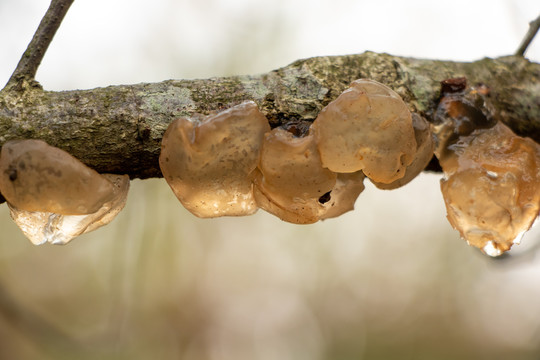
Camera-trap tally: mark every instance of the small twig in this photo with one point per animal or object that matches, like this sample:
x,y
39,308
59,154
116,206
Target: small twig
x,y
31,59
533,29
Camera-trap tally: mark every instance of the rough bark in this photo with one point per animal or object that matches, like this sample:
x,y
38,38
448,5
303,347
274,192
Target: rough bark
x,y
118,129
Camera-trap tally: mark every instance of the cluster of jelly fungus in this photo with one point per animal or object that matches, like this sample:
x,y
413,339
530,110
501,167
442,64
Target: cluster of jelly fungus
x,y
210,166
53,197
293,185
369,128
492,178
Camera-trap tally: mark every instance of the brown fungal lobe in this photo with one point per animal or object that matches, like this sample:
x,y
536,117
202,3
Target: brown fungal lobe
x,y
424,152
292,183
35,176
41,226
491,187
210,165
291,178
369,128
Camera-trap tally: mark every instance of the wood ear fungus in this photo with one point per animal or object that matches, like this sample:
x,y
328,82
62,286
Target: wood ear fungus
x,y
210,165
422,156
293,185
58,229
369,128
492,187
35,176
52,196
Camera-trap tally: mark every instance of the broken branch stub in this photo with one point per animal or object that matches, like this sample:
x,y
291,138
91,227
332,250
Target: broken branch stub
x,y
210,165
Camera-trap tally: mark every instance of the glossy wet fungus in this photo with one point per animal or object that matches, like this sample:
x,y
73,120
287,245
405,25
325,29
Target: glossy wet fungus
x,y
491,187
293,185
210,165
37,177
424,152
52,196
369,128
41,227
230,163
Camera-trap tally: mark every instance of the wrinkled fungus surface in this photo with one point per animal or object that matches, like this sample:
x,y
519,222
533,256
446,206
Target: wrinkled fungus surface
x,y
43,226
424,153
293,185
369,128
491,187
292,178
210,165
35,176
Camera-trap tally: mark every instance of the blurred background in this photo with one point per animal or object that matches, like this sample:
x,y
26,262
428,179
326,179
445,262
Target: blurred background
x,y
390,280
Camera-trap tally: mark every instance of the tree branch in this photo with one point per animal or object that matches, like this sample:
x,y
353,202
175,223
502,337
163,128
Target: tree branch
x,y
31,59
531,33
118,129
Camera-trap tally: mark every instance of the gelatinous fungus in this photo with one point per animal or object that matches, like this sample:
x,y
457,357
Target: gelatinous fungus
x,y
43,226
369,128
293,185
459,113
491,187
424,152
210,165
291,177
35,176
343,196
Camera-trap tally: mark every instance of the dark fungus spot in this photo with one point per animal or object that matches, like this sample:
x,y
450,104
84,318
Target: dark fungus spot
x,y
298,128
12,172
453,85
325,198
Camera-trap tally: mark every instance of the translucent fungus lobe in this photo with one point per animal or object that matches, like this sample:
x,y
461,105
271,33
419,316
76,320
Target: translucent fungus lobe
x,y
54,197
37,177
210,166
369,128
423,154
492,187
42,226
293,185
292,177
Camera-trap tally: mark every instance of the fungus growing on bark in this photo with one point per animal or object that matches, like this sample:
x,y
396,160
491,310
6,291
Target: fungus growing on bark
x,y
54,197
210,165
369,128
424,152
492,176
491,187
293,185
35,176
58,229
